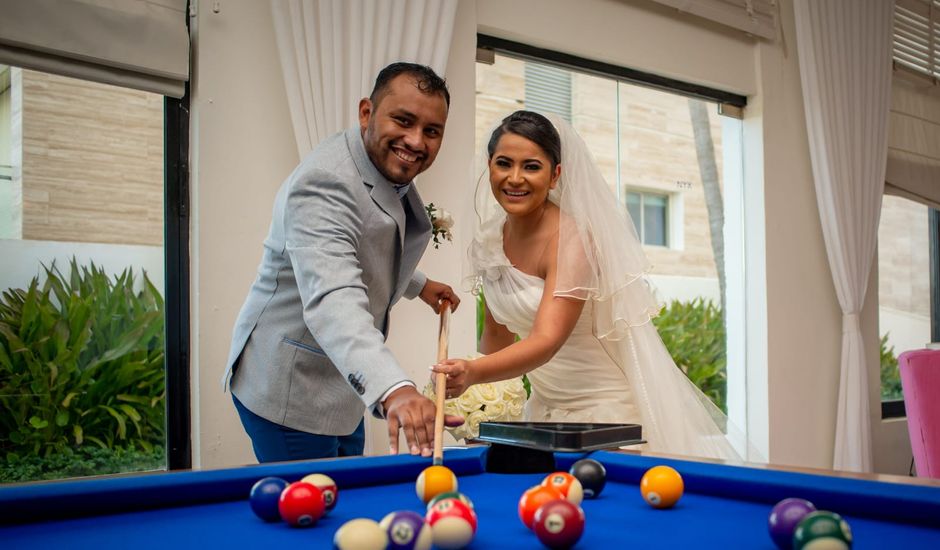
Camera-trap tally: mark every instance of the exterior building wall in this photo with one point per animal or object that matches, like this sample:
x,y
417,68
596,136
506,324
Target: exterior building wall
x,y
657,154
656,143
903,257
92,162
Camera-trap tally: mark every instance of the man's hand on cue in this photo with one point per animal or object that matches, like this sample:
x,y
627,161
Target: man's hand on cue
x,y
409,411
434,293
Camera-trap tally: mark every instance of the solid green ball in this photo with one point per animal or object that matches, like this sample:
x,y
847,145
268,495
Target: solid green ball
x,y
822,530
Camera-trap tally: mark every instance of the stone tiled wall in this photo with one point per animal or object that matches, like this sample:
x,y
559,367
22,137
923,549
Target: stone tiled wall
x,y
657,150
92,161
903,257
657,153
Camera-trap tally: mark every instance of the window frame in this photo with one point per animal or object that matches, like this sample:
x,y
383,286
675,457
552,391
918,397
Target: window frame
x,y
731,107
894,408
177,284
641,225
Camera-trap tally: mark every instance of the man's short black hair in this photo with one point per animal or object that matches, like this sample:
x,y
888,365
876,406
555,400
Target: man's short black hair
x,y
425,77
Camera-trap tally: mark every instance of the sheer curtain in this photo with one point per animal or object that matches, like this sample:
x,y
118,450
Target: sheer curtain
x,y
844,48
331,51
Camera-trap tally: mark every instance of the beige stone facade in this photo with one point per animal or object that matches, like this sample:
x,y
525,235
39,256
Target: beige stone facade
x,y
92,160
657,149
657,153
903,257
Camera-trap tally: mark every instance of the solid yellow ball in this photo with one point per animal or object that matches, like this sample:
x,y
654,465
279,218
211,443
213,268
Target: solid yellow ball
x,y
661,486
433,481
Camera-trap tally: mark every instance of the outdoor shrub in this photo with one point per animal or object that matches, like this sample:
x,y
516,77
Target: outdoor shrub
x,y
694,334
81,363
81,462
890,375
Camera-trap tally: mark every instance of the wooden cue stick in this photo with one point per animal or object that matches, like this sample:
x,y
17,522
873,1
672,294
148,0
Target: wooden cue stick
x,y
440,384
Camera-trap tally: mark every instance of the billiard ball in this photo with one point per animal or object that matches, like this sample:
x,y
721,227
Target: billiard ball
x,y
559,523
407,530
532,499
264,497
591,474
433,481
452,522
453,494
360,534
327,486
784,518
661,486
301,504
567,485
822,529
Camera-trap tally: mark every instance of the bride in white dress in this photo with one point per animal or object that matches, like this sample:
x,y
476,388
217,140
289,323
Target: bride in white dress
x,y
561,267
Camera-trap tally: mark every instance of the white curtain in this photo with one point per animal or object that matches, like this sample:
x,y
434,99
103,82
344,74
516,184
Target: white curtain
x,y
844,47
332,50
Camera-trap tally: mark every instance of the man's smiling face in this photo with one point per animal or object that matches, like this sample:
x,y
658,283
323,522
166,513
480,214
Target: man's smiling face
x,y
402,131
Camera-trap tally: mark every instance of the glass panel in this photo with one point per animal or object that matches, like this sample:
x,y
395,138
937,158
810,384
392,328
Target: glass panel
x,y
654,219
903,286
81,357
671,151
634,201
663,156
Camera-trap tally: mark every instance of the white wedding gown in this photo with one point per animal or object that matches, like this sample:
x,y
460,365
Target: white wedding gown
x,y
588,380
582,382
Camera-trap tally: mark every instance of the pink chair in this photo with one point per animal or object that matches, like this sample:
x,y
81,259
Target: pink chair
x,y
920,380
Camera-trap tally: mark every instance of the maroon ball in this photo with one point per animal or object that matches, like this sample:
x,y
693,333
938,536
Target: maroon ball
x,y
559,523
784,518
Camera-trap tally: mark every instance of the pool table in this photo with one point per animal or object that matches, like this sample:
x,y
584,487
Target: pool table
x,y
724,506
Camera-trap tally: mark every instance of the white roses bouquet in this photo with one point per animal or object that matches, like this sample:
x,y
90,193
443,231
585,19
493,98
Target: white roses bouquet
x,y
441,224
491,402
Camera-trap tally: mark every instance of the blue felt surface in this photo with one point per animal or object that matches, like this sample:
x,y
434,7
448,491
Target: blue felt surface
x,y
619,518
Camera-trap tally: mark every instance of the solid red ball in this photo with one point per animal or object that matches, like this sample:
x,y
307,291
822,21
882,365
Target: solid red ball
x,y
532,499
301,504
559,523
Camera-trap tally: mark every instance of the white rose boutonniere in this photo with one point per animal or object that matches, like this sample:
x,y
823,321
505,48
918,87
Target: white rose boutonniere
x,y
441,224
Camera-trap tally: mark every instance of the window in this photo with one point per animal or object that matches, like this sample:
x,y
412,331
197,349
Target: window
x,y
675,166
8,199
83,211
903,286
548,89
650,214
916,26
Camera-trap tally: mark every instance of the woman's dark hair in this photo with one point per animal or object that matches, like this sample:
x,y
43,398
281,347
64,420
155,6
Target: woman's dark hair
x,y
532,126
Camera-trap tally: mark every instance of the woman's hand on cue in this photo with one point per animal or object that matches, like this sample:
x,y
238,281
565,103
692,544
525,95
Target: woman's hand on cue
x,y
458,376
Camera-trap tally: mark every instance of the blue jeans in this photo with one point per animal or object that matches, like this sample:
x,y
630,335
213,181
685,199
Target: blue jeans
x,y
275,443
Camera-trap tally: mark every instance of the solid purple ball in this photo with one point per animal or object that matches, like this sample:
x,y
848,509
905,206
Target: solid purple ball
x,y
264,498
784,518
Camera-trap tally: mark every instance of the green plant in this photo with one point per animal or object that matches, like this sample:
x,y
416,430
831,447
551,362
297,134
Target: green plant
x,y
81,363
890,375
694,334
81,462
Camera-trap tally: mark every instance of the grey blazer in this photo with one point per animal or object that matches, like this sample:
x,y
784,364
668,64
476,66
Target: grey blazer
x,y
308,348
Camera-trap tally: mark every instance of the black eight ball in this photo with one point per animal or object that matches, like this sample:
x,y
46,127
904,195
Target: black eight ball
x,y
591,474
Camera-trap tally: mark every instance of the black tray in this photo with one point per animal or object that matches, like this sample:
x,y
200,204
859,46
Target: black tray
x,y
561,437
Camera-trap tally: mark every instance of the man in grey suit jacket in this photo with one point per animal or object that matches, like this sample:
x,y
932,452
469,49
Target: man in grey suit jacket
x,y
308,353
